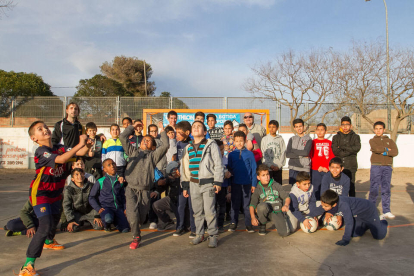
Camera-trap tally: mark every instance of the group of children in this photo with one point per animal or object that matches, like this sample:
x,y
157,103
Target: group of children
x,y
130,178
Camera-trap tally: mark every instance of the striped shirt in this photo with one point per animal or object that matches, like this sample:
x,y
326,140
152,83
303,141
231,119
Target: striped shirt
x,y
112,148
195,151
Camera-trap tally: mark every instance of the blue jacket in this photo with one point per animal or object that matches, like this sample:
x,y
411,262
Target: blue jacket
x,y
105,194
242,166
340,186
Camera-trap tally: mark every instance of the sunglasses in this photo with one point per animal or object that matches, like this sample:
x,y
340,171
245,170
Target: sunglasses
x,y
248,117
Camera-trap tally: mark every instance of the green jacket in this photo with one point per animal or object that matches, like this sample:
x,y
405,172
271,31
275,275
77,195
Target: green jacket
x,y
27,215
273,194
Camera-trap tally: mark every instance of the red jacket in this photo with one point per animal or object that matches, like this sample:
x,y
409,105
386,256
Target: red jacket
x,y
321,153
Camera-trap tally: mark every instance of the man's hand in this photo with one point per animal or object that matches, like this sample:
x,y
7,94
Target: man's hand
x,y
70,226
253,188
30,232
101,210
162,182
342,243
82,139
218,188
98,221
153,194
185,194
255,222
285,208
328,217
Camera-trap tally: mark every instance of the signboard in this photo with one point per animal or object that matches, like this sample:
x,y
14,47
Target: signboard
x,y
221,118
12,154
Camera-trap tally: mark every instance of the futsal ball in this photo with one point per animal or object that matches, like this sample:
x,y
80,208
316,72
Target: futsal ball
x,y
313,223
333,224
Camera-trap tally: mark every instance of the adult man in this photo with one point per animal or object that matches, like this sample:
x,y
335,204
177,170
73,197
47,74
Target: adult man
x,y
258,131
346,144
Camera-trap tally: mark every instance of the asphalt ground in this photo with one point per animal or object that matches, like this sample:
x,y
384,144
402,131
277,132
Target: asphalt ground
x,y
240,253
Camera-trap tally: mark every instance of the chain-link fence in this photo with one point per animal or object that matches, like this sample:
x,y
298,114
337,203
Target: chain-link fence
x,y
21,112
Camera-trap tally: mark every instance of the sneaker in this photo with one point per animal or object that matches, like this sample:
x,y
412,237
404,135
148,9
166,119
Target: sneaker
x,y
153,226
382,217
178,232
249,229
221,229
232,227
213,240
167,226
197,240
135,243
10,233
28,271
389,215
54,246
262,230
107,229
192,235
126,230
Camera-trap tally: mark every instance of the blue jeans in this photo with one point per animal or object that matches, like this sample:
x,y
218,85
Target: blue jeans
x,y
240,196
316,182
381,177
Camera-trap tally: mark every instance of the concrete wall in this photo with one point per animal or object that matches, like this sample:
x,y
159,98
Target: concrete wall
x,y
16,149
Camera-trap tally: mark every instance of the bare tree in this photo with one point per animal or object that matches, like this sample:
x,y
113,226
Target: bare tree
x,y
6,5
301,82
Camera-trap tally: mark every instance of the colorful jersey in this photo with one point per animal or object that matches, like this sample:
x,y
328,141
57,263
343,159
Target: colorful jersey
x,y
321,153
47,186
112,148
228,142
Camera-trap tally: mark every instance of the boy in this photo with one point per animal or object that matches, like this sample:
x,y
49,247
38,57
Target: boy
x,y
45,192
140,177
227,138
26,224
359,215
320,155
201,117
298,149
185,217
127,121
273,149
202,172
303,202
76,205
112,148
153,130
251,143
172,151
79,164
221,197
345,145
335,180
243,168
214,132
383,152
107,197
270,202
93,160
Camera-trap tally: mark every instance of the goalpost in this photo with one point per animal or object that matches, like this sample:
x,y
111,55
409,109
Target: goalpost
x,y
154,116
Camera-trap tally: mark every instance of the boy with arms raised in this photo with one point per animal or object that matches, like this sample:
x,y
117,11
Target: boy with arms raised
x,y
242,166
46,189
359,215
140,177
335,179
298,150
202,171
273,148
383,152
320,155
270,202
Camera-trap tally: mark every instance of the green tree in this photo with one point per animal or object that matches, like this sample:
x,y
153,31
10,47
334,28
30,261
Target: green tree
x,y
129,71
176,103
101,86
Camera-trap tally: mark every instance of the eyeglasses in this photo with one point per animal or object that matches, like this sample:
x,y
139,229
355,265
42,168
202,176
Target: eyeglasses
x,y
248,117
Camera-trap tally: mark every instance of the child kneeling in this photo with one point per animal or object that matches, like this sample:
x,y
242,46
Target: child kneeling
x,y
270,202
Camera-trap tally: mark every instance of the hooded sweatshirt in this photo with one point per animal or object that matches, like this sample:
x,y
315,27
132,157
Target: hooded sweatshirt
x,y
340,185
303,203
242,166
77,199
140,168
298,150
346,146
273,149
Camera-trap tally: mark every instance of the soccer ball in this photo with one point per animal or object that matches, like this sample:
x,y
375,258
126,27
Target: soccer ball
x,y
333,225
314,225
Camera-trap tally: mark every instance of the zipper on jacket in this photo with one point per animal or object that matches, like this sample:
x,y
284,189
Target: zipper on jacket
x,y
113,184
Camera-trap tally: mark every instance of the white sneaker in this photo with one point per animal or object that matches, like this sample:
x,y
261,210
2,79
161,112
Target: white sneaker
x,y
153,226
389,215
382,217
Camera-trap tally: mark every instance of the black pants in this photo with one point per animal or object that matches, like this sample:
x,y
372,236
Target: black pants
x,y
46,230
221,204
152,216
16,225
162,207
277,176
351,175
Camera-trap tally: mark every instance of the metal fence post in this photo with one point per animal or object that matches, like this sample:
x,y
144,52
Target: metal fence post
x,y
12,113
171,103
225,103
64,107
118,109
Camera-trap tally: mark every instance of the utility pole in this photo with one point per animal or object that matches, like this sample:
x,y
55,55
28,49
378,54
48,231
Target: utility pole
x,y
145,79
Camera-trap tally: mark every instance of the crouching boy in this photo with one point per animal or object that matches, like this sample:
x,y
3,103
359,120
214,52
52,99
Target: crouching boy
x,y
76,205
270,202
359,215
107,197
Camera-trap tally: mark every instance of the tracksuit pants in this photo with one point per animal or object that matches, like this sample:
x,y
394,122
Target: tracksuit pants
x,y
265,213
137,207
16,225
221,203
371,221
381,177
203,201
162,207
317,182
240,196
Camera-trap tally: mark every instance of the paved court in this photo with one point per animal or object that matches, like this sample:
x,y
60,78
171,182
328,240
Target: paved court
x,y
239,253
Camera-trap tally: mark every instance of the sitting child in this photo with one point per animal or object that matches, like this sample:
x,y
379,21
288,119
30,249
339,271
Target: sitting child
x,y
303,202
81,165
359,215
336,180
76,205
107,197
270,202
26,224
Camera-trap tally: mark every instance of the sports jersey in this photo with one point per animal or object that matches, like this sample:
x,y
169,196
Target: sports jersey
x,y
321,153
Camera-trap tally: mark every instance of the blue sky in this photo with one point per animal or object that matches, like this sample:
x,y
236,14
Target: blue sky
x,y
196,48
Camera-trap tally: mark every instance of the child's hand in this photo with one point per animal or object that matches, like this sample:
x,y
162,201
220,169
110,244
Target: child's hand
x,y
342,243
121,179
90,142
339,218
185,194
325,170
255,222
138,125
320,169
285,208
82,139
229,189
30,232
307,224
160,126
102,138
101,210
227,174
328,217
70,226
228,197
162,182
253,188
218,188
153,194
274,168
98,221
176,173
